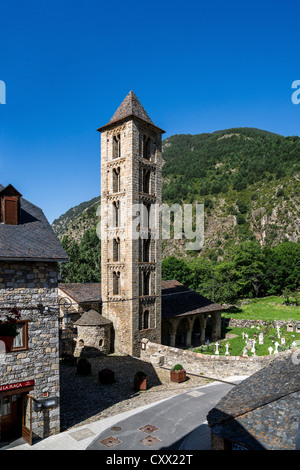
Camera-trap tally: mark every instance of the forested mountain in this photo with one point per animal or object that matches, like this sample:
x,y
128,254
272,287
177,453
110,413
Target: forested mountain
x,y
247,179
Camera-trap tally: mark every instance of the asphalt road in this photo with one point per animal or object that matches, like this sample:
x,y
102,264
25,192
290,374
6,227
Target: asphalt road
x,y
176,423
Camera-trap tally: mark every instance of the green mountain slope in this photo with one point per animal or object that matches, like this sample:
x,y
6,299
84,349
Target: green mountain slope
x,y
247,179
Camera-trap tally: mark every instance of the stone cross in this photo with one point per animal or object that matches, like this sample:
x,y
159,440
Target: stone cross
x,y
253,346
294,344
276,347
243,335
261,338
217,348
270,349
278,331
227,347
245,352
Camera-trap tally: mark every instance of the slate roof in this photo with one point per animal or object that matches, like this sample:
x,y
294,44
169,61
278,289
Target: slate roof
x,y
263,411
92,318
130,107
32,239
82,291
177,299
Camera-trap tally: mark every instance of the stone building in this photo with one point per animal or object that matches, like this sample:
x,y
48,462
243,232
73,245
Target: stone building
x,y
131,185
187,318
132,295
29,371
76,298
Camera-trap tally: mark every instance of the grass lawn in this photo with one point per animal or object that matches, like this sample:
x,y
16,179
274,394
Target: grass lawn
x,y
267,308
236,345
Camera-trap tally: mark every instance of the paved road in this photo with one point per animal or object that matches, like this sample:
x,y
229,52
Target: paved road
x,y
176,423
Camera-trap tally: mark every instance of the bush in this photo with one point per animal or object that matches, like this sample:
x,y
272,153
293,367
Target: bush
x,y
177,368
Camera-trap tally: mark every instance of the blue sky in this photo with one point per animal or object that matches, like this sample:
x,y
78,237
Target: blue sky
x,y
195,66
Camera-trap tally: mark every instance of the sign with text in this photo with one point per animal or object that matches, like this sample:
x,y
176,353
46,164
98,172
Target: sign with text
x,y
16,386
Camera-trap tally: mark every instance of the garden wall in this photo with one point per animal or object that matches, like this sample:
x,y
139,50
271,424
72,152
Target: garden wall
x,y
244,323
218,367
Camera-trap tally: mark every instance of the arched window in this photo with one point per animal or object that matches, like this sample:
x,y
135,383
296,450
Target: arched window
x,y
116,283
147,147
116,180
146,250
116,249
146,322
146,181
116,214
146,283
117,146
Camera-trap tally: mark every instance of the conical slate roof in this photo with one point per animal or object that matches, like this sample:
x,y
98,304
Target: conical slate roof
x,y
92,318
130,107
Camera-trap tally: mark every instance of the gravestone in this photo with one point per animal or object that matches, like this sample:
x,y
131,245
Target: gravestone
x,y
282,341
261,338
290,326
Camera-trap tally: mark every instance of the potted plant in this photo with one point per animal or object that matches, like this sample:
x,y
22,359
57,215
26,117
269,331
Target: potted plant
x,y
83,366
106,376
140,380
9,328
178,373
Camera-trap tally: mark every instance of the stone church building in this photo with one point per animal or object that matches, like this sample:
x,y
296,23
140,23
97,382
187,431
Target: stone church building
x,y
133,298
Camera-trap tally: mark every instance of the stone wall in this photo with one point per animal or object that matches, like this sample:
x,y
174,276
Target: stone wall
x,y
218,367
25,285
244,323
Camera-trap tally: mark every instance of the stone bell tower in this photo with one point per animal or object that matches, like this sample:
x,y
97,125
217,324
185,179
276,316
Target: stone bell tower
x,y
131,188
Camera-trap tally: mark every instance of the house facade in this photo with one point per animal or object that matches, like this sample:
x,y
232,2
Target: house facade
x,y
29,370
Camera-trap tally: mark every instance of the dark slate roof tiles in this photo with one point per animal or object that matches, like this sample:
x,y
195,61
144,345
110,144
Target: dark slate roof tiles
x,y
33,238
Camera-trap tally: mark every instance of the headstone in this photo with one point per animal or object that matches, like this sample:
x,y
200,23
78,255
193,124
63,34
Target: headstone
x,y
294,344
261,338
290,327
245,352
243,335
282,341
217,348
278,331
227,347
253,346
276,347
249,343
270,349
297,327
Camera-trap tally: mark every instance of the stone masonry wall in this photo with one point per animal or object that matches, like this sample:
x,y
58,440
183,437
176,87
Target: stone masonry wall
x,y
25,285
219,367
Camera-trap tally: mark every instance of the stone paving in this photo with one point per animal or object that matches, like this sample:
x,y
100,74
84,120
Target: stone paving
x,y
85,400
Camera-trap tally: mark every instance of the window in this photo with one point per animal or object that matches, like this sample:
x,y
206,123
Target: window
x,y
116,249
146,319
116,213
146,250
117,146
146,181
146,147
146,283
116,283
21,340
116,180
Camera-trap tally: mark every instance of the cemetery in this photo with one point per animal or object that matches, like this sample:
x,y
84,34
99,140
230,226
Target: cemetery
x,y
253,341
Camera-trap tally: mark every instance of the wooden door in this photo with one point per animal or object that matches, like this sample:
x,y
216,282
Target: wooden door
x,y
27,419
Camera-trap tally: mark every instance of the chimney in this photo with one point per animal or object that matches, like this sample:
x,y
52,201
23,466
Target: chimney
x,y
10,205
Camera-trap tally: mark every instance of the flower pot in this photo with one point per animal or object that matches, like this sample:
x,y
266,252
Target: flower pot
x,y
179,376
140,383
106,376
8,341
